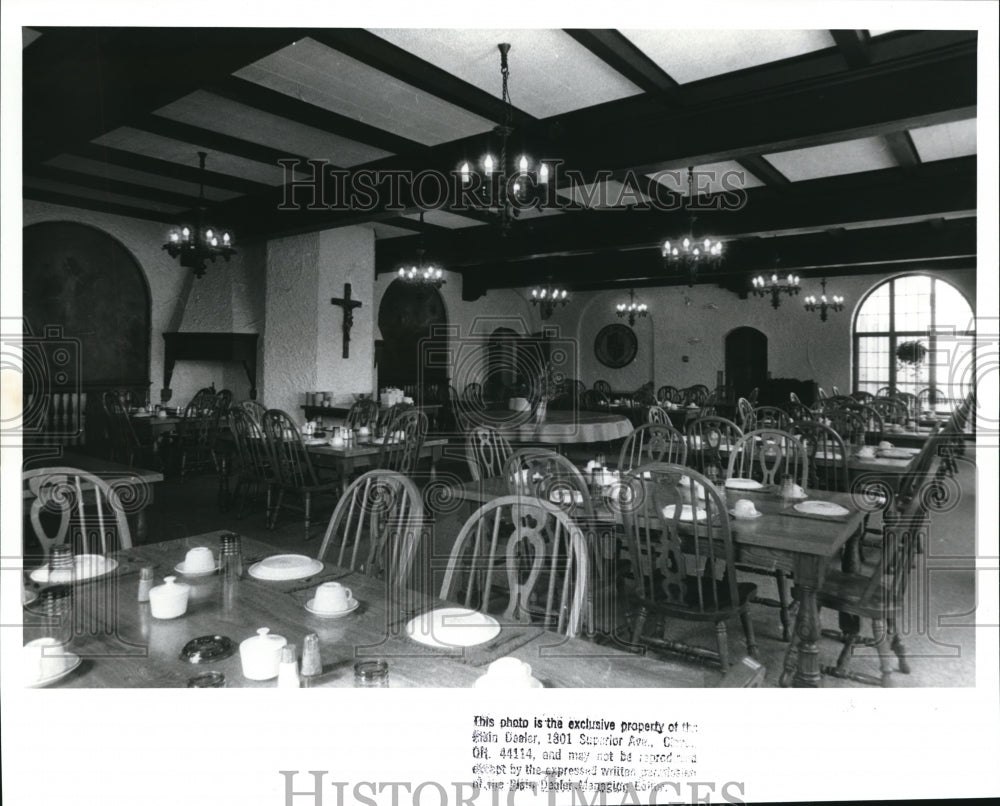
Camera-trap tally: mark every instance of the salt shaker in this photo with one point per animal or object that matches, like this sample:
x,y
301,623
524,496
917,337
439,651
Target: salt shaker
x,y
62,568
145,583
312,663
288,668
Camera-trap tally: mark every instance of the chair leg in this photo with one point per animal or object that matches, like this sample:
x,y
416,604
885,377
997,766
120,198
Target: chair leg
x,y
884,653
306,504
722,638
748,633
786,630
277,507
896,643
640,625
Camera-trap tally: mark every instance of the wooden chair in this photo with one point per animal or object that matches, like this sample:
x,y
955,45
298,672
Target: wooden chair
x,y
821,393
885,391
293,469
595,400
523,559
682,569
603,387
767,455
403,441
928,400
362,414
827,456
472,395
125,444
797,410
697,394
255,473
656,414
486,452
652,442
744,411
892,410
198,431
874,424
255,409
543,473
849,425
771,417
376,528
644,394
710,441
861,396
73,506
387,417
669,394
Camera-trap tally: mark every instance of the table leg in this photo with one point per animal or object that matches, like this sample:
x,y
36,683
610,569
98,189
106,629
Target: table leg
x,y
801,668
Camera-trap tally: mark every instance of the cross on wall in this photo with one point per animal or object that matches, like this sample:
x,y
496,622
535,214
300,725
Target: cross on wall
x,y
348,305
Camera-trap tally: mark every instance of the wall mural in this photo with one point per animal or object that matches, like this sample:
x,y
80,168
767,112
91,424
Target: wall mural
x,y
616,346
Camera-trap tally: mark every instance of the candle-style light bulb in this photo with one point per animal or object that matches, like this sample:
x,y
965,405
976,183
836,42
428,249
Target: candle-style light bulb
x,y
488,164
522,164
543,173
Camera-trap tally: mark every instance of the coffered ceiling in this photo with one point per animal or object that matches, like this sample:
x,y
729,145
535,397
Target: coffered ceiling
x,y
853,152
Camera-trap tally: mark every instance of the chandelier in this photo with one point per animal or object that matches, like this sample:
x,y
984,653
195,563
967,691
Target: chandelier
x,y
198,242
500,185
824,303
775,286
632,309
547,297
422,272
688,253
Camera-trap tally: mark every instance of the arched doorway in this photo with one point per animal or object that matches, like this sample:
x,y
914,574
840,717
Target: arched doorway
x,y
746,360
85,292
409,316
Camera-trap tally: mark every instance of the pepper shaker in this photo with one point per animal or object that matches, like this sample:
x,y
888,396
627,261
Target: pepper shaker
x,y
288,668
145,583
312,663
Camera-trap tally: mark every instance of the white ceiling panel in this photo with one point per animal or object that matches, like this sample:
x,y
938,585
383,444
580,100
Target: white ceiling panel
x,y
239,120
83,165
946,140
608,195
710,178
327,78
691,55
100,195
550,72
166,148
848,157
442,218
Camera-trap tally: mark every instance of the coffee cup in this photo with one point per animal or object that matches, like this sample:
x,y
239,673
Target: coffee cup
x,y
332,597
797,491
199,559
44,658
744,509
883,445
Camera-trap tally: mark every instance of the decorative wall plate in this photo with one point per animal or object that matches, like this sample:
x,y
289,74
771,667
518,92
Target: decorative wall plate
x,y
616,346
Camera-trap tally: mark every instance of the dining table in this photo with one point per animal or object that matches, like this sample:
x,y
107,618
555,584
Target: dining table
x,y
782,537
558,427
121,645
119,472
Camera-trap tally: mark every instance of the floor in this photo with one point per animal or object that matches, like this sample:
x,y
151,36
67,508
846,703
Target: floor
x,y
938,631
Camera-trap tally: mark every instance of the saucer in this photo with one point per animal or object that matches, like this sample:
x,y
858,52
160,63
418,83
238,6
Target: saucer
x,y
354,604
743,484
180,569
41,682
753,517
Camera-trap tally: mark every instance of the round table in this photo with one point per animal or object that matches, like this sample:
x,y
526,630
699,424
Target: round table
x,y
558,427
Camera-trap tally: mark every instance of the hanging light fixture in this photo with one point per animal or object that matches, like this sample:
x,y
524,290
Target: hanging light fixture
x,y
824,303
632,309
195,243
547,297
774,286
503,184
422,272
689,253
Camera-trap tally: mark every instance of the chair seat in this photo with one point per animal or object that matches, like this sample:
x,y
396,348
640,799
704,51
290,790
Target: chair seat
x,y
690,608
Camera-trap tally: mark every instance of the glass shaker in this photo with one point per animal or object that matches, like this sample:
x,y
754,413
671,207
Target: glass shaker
x,y
371,674
62,568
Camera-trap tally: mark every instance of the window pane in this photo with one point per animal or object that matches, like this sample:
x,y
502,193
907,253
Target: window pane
x,y
874,313
953,313
913,303
873,363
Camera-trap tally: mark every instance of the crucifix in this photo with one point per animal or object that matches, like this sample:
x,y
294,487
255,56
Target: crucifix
x,y
348,305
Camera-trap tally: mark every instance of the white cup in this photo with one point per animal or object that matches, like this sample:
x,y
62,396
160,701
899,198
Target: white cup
x,y
510,672
744,508
797,491
332,597
199,559
883,446
43,658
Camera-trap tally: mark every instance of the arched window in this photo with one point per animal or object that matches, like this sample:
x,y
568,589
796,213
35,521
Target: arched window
x,y
915,332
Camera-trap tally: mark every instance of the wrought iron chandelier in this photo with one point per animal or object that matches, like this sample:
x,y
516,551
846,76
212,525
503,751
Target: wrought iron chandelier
x,y
774,286
547,297
632,309
502,185
824,303
422,272
198,242
689,253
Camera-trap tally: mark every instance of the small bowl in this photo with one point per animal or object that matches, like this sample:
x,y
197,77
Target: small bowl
x,y
170,599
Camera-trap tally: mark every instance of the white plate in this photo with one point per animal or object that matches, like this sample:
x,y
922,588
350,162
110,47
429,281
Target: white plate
x,y
88,566
743,484
312,441
686,513
335,613
821,508
143,414
285,566
449,627
746,517
48,681
180,569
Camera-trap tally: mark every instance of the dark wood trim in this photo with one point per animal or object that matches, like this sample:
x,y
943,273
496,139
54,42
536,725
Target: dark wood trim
x,y
181,200
69,200
618,52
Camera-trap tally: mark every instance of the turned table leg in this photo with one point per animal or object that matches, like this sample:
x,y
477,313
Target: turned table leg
x,y
808,576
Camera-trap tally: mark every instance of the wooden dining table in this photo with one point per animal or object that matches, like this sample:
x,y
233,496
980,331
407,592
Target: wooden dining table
x,y
782,538
138,477
123,646
559,427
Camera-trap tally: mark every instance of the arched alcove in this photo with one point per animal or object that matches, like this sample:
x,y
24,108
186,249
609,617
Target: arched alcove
x,y
746,360
409,315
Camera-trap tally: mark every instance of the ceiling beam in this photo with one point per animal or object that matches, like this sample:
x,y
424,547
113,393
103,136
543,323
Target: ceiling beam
x,y
95,182
619,53
763,170
902,148
69,200
80,84
853,45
